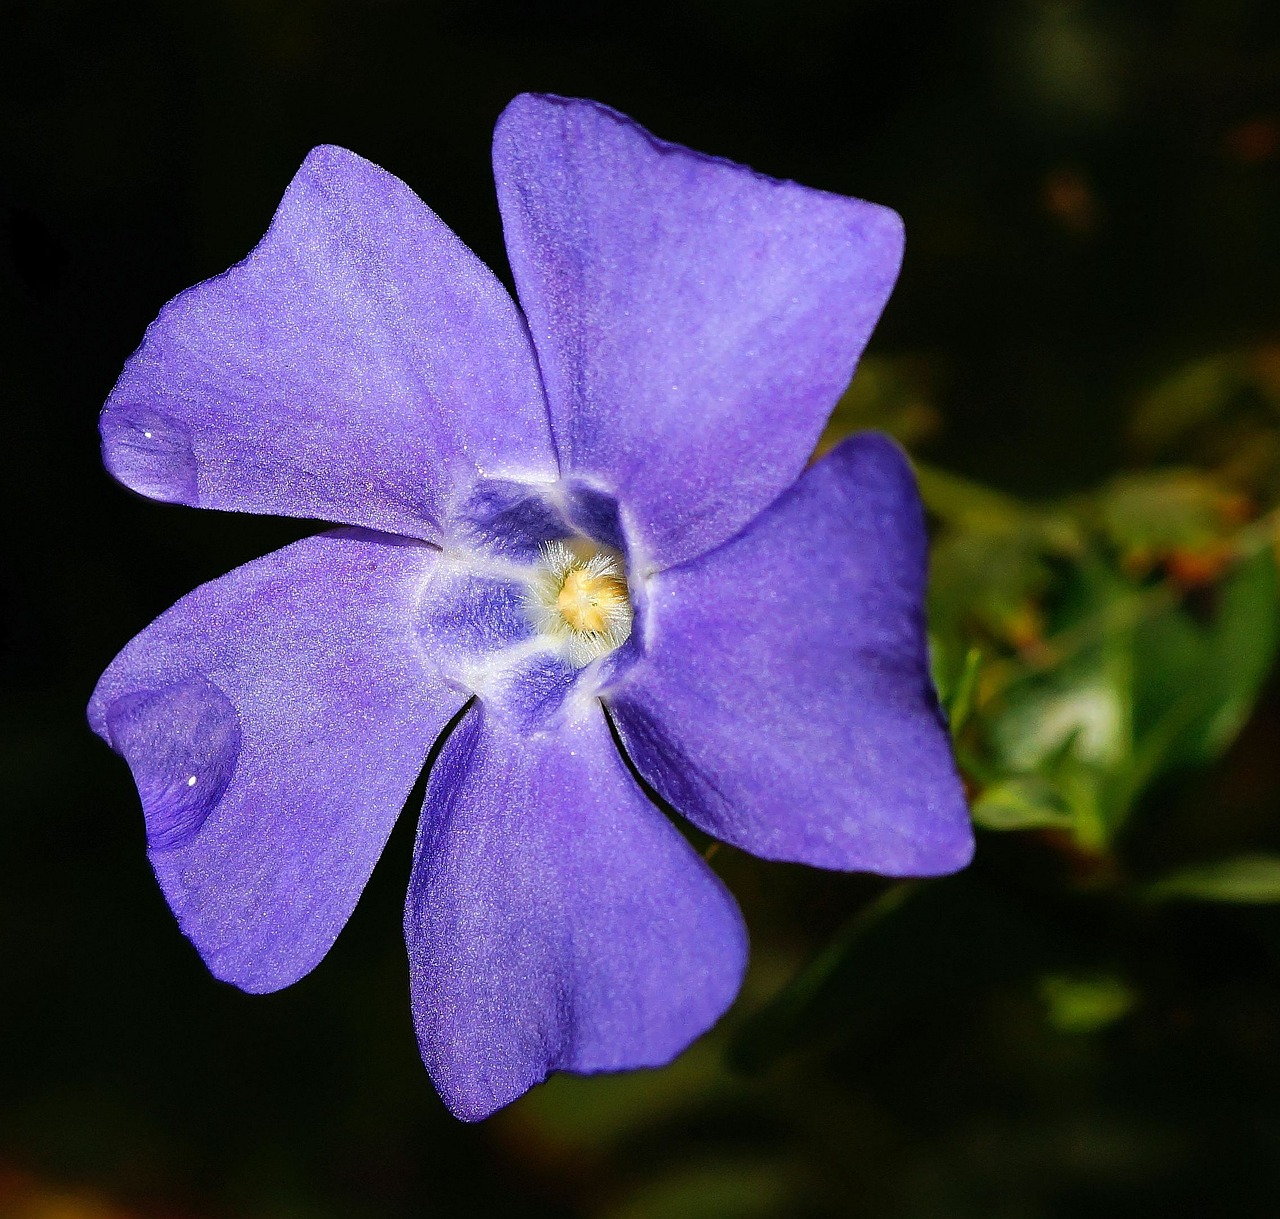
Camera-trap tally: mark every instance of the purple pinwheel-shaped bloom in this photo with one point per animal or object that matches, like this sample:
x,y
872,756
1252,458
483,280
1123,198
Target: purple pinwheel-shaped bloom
x,y
597,500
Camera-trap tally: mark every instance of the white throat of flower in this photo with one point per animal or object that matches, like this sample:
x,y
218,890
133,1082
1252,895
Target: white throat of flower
x,y
579,596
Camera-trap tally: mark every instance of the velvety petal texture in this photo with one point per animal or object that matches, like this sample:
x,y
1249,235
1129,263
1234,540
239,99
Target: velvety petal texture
x,y
785,705
687,326
275,721
556,920
360,366
695,321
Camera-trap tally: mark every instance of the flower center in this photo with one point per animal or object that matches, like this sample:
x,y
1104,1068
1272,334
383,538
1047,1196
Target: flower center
x,y
579,595
589,602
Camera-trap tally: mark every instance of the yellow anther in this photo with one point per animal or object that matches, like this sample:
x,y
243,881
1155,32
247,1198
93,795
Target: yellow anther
x,y
589,602
579,596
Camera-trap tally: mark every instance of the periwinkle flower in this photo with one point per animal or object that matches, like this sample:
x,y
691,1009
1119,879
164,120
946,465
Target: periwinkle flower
x,y
595,508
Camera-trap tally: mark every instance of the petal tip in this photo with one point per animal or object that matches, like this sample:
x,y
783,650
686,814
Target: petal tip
x,y
531,114
875,460
474,1095
951,854
477,1109
892,228
325,160
247,971
530,103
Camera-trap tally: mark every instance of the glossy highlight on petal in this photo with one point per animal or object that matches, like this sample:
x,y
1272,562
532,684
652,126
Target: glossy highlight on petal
x,y
181,742
150,452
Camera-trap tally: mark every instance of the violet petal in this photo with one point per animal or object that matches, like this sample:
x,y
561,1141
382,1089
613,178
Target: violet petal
x,y
360,366
785,703
275,720
695,321
555,919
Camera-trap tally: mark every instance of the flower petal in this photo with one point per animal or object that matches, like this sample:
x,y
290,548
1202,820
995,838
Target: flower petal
x,y
275,721
785,704
556,920
695,321
361,366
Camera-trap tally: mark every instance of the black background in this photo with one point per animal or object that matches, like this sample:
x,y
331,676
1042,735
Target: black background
x,y
145,147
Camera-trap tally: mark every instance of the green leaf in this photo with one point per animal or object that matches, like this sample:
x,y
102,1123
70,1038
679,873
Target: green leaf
x,y
1084,1005
1081,707
1076,711
1246,879
969,505
1243,650
1071,723
1162,510
990,578
1189,398
1206,675
582,1113
888,393
1025,803
960,702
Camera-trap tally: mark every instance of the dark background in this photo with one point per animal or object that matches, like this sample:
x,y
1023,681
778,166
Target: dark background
x,y
1090,196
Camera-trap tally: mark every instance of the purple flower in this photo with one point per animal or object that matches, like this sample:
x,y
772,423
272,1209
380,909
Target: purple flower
x,y
593,510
